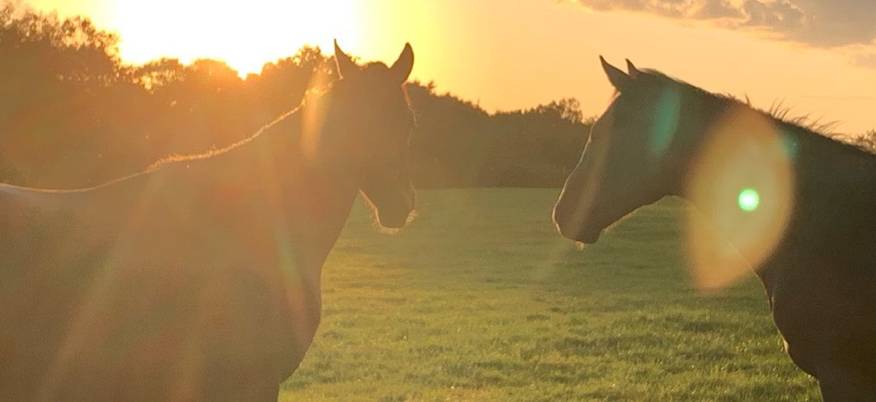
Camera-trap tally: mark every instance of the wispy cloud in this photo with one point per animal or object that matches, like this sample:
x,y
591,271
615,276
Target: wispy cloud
x,y
818,23
866,59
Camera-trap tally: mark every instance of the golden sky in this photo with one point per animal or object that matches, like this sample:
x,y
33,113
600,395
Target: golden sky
x,y
515,54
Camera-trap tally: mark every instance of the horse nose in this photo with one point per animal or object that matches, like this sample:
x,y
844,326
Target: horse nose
x,y
560,217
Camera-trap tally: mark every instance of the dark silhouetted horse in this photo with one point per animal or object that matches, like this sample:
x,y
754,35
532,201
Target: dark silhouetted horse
x,y
797,206
198,279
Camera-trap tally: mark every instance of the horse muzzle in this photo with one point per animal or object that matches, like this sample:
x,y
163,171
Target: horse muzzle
x,y
572,225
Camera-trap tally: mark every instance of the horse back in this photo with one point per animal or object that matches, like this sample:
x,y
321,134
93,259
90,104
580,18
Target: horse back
x,y
143,290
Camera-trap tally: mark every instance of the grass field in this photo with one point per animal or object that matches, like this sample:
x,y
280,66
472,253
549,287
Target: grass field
x,y
480,300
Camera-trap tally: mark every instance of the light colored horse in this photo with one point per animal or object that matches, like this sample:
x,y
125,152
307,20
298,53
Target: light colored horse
x,y
797,206
198,279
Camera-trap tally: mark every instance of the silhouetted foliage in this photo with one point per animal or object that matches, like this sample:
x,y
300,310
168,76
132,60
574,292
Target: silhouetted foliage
x,y
59,83
459,144
72,114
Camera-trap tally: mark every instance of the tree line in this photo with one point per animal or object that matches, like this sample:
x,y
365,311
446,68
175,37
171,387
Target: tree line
x,y
72,114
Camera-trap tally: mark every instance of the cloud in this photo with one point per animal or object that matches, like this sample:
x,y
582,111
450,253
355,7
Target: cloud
x,y
819,23
866,59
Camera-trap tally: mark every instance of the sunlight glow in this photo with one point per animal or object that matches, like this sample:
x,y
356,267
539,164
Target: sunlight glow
x,y
475,48
243,34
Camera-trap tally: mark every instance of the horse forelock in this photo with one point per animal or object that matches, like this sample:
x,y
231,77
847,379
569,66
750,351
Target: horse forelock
x,y
375,66
373,77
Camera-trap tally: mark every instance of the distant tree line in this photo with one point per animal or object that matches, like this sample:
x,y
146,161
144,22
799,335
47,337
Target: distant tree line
x,y
72,114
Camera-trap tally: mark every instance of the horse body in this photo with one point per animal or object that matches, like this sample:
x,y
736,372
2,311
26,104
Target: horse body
x,y
196,280
821,280
818,271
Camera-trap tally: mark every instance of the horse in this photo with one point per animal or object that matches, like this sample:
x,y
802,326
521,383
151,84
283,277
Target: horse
x,y
199,278
797,206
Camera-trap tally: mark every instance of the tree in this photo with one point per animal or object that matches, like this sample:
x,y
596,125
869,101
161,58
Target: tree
x,y
54,75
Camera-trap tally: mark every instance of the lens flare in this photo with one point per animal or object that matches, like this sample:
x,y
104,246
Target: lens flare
x,y
742,189
314,118
665,124
749,200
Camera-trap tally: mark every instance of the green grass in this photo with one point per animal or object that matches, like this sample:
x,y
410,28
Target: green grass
x,y
481,300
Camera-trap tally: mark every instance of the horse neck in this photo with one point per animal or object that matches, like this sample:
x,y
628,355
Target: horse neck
x,y
835,188
831,195
315,195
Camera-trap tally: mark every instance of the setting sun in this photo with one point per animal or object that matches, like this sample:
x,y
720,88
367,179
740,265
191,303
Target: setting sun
x,y
241,34
245,35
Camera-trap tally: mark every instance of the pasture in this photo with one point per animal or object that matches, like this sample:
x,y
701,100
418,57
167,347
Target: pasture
x,y
479,299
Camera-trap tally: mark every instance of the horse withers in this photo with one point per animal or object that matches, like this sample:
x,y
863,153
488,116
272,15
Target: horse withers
x,y
798,207
198,279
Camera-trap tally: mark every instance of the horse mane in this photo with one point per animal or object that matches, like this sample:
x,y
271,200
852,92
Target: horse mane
x,y
310,96
778,113
178,158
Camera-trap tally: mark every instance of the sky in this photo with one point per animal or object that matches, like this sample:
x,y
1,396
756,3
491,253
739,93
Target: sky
x,y
816,57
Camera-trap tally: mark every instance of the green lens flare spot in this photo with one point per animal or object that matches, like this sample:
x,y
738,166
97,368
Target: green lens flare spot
x,y
665,124
749,200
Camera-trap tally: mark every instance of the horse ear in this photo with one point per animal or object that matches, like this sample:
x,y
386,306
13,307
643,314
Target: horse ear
x,y
402,67
346,65
632,70
618,78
